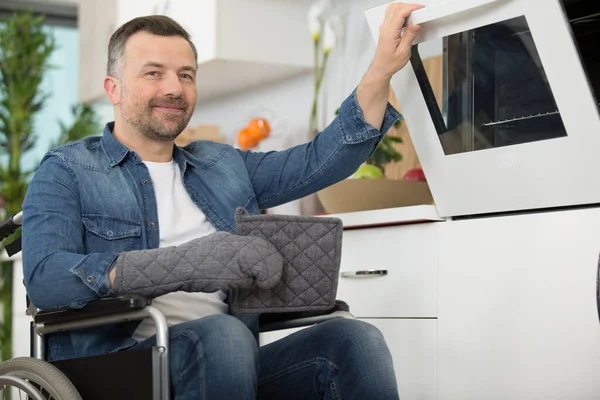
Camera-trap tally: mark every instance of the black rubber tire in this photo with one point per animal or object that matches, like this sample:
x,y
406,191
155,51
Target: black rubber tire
x,y
42,373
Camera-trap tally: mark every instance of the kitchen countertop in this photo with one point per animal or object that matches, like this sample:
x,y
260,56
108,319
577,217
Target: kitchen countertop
x,y
389,216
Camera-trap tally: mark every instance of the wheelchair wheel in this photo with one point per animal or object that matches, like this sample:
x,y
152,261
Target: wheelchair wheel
x,y
48,380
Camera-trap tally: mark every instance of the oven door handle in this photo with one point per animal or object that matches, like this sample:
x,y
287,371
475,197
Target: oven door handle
x,y
442,10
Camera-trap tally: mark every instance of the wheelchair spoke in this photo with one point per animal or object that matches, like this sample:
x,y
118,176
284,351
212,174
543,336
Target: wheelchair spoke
x,y
7,391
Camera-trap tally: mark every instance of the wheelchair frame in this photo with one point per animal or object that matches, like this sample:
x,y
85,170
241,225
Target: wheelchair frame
x,y
66,320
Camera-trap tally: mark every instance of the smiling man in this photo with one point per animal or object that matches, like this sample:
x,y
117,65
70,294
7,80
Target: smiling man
x,y
152,85
96,204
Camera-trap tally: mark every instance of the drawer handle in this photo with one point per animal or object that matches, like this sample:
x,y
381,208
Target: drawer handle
x,y
365,273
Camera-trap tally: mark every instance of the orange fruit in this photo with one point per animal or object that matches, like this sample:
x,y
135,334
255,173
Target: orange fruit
x,y
245,139
259,128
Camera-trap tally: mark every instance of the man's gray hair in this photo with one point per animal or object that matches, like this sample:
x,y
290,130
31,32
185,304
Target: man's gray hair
x,y
155,24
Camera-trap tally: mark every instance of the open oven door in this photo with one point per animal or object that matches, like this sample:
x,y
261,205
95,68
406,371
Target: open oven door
x,y
510,120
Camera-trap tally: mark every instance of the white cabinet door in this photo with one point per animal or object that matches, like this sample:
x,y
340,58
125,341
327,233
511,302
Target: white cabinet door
x,y
406,255
412,343
517,314
507,111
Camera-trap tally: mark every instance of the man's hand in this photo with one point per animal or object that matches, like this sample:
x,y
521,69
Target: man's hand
x,y
394,48
112,275
391,55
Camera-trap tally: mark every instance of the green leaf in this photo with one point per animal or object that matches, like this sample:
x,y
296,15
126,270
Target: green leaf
x,y
85,124
385,152
25,50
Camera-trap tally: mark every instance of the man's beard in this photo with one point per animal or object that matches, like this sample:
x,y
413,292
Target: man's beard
x,y
163,128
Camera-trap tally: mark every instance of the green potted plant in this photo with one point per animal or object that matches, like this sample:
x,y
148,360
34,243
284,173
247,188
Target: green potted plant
x,y
25,50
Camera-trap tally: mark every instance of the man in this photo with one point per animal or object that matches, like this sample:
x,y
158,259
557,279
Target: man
x,y
93,202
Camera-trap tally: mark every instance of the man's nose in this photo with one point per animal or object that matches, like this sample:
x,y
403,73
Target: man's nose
x,y
171,85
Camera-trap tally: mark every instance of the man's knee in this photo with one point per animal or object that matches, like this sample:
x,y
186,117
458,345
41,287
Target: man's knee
x,y
220,330
347,327
216,339
352,334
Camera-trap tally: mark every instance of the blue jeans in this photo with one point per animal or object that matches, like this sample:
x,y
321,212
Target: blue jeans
x,y
217,357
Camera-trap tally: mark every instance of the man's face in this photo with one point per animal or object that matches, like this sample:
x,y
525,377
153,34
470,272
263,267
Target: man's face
x,y
158,85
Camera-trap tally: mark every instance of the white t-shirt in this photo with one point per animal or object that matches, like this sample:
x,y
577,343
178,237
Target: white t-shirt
x,y
179,221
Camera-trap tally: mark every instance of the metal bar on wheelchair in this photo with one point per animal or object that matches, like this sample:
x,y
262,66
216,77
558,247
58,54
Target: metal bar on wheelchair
x,y
20,383
307,321
10,225
162,334
146,312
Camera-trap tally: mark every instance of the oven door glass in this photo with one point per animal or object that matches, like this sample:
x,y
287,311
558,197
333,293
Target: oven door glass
x,y
499,100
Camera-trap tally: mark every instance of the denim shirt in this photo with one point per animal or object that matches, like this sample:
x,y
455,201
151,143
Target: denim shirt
x,y
92,199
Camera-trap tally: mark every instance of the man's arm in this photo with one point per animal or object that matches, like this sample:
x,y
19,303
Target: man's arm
x,y
56,271
391,55
364,117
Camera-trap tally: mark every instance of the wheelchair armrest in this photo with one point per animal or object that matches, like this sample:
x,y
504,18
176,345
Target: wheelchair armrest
x,y
277,321
95,308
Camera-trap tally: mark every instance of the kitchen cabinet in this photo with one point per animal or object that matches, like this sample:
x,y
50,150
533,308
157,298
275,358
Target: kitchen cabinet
x,y
388,276
517,315
395,266
241,44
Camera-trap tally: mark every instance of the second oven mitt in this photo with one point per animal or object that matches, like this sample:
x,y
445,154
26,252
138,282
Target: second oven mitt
x,y
219,261
312,251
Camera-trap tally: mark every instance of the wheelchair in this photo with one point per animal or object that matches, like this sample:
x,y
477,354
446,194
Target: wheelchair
x,y
147,370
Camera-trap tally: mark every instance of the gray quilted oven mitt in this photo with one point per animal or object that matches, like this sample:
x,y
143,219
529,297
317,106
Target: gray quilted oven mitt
x,y
311,249
219,261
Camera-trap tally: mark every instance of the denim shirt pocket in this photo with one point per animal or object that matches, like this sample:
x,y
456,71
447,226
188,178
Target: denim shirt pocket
x,y
111,234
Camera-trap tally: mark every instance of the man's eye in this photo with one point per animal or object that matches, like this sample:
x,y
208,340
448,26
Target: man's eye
x,y
152,73
186,76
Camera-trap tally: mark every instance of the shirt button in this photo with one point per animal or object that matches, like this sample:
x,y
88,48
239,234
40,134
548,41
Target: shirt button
x,y
150,224
90,278
144,181
109,233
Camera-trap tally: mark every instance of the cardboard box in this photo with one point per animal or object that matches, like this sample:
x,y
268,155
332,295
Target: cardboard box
x,y
352,195
199,132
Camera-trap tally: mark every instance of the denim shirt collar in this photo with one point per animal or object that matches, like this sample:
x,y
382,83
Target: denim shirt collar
x,y
117,152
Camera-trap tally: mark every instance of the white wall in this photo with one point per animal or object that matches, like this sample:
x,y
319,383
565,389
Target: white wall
x,y
20,334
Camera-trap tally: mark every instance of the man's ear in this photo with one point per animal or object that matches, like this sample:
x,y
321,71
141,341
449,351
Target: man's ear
x,y
112,87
